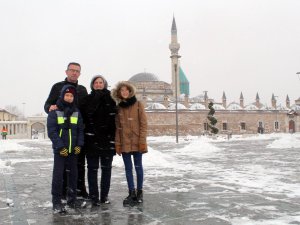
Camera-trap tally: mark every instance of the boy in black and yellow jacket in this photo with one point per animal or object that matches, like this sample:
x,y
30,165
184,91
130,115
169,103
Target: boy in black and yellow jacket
x,y
65,129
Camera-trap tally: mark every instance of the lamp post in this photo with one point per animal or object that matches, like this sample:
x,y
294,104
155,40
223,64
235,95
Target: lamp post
x,y
298,73
276,110
176,102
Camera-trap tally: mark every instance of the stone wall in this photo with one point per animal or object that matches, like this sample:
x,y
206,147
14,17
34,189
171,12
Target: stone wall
x,y
192,122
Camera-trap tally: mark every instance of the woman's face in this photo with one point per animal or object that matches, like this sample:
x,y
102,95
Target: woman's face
x,y
124,92
98,84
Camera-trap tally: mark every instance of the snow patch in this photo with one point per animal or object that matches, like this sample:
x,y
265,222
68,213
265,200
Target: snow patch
x,y
288,141
9,202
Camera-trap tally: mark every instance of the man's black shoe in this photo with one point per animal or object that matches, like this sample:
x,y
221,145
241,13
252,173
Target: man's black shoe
x,y
105,200
77,204
83,194
96,202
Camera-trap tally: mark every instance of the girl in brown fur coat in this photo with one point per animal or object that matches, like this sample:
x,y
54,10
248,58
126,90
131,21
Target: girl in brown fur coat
x,y
131,135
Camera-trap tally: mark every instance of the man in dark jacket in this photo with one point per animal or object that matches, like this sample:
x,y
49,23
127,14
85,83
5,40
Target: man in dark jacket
x,y
73,73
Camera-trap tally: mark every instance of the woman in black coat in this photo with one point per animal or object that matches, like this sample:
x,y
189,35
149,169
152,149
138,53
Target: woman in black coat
x,y
98,111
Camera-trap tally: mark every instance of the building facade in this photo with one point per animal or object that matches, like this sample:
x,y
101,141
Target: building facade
x,y
160,97
10,122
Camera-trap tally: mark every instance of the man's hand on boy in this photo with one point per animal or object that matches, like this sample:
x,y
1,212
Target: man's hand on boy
x,y
63,152
77,150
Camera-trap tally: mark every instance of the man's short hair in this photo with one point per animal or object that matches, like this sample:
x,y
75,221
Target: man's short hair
x,y
73,63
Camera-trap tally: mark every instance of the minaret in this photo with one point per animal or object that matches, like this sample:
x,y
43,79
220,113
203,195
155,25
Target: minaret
x,y
287,102
174,47
242,100
273,101
206,99
224,100
257,103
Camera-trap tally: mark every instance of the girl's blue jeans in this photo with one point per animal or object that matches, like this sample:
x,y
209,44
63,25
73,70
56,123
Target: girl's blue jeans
x,y
137,159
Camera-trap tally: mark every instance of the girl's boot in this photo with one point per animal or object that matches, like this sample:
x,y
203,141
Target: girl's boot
x,y
139,196
130,199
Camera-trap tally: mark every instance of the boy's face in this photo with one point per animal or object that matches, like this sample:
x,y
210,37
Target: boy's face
x,y
69,97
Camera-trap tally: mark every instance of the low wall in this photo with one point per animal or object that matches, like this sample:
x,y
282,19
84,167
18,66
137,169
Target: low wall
x,y
192,122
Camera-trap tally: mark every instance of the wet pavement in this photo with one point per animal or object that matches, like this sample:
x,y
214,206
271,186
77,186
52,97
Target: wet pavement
x,y
237,182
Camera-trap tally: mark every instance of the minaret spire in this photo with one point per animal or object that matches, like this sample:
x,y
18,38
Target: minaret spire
x,y
224,100
287,102
174,47
273,101
241,100
257,101
174,28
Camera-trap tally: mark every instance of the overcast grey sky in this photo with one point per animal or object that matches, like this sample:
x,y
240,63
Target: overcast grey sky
x,y
234,45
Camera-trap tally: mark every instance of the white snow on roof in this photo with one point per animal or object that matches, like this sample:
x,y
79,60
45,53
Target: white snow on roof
x,y
295,107
250,107
281,107
179,106
218,107
234,106
156,105
265,107
197,106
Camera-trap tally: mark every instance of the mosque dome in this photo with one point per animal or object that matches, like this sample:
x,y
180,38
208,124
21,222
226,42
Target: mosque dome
x,y
142,77
156,105
281,107
296,107
265,107
197,106
251,107
218,107
234,106
180,106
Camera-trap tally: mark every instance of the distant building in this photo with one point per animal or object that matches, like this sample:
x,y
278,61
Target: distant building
x,y
9,121
159,99
7,116
234,117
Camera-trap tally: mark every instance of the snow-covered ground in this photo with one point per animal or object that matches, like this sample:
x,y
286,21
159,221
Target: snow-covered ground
x,y
241,181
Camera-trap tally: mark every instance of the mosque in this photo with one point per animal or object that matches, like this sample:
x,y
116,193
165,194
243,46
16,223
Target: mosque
x,y
159,98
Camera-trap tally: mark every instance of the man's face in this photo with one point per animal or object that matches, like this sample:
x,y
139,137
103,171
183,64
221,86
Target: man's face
x,y
73,73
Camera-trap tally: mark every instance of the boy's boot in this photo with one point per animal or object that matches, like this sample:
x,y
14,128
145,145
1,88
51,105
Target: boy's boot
x,y
59,208
130,199
139,196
